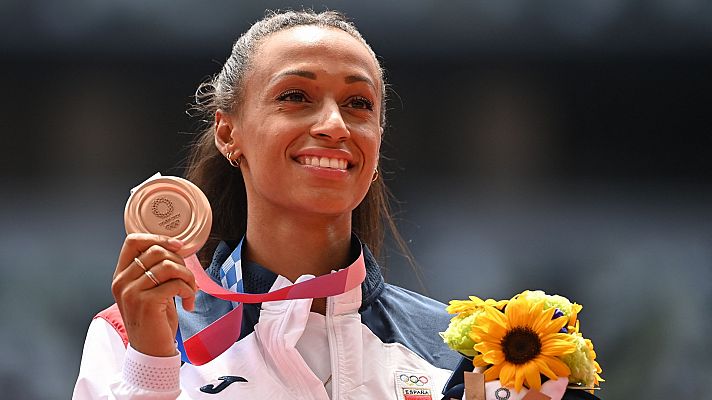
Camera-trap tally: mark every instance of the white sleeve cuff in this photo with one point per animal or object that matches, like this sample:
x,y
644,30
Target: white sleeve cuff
x,y
160,374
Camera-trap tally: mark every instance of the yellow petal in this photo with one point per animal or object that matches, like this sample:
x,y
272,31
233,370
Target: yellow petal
x,y
479,362
519,379
517,313
531,373
492,316
487,333
556,365
541,319
486,347
501,304
507,374
492,357
492,372
544,369
497,357
496,330
553,326
476,300
573,318
598,379
556,345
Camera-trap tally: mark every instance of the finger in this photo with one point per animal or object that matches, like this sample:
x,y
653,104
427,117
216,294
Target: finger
x,y
134,280
136,300
149,258
165,271
173,288
137,243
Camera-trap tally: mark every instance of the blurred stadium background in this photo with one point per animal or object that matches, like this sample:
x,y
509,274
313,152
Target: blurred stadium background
x,y
555,145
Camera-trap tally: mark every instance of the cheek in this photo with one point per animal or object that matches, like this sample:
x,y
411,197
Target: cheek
x,y
371,149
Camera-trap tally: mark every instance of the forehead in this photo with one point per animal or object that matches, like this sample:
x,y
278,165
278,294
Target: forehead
x,y
313,44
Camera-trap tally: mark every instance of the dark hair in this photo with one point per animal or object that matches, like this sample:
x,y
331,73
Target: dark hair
x,y
223,184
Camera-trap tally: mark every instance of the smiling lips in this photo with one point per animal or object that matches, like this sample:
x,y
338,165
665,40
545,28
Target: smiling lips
x,y
323,162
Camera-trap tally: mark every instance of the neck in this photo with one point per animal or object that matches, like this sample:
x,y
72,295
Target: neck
x,y
293,245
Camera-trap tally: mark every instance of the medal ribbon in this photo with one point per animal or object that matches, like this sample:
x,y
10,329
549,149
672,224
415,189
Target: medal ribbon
x,y
217,337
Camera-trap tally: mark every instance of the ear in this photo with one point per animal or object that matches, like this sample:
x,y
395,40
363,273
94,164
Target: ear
x,y
224,136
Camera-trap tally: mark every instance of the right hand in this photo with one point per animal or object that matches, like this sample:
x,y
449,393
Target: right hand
x,y
148,310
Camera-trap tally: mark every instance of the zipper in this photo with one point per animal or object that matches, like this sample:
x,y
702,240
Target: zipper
x,y
287,360
333,348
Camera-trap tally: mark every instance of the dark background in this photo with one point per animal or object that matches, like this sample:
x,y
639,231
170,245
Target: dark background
x,y
555,145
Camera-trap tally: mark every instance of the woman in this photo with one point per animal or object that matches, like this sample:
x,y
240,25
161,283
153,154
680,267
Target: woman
x,y
289,163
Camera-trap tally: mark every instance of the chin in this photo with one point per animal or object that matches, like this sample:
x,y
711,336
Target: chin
x,y
330,211
323,205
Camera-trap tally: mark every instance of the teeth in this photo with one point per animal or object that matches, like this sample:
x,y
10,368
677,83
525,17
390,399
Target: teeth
x,y
324,162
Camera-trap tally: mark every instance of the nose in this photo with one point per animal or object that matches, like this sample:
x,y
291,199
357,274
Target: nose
x,y
330,124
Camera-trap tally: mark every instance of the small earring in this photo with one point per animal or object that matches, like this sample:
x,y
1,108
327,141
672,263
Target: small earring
x,y
375,175
235,163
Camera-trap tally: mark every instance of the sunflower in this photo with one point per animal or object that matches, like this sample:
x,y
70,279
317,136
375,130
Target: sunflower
x,y
468,307
521,343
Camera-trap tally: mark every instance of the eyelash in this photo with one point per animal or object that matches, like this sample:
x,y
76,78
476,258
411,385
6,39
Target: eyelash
x,y
283,96
368,104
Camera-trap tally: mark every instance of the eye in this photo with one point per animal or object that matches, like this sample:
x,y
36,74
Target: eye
x,y
361,103
293,95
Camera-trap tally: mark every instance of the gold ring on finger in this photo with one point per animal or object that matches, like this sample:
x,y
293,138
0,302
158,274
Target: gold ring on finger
x,y
152,277
140,264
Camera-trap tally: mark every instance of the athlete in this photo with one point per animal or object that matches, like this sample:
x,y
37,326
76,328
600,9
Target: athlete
x,y
289,163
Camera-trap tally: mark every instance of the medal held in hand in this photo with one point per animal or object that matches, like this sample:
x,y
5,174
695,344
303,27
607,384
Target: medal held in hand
x,y
170,206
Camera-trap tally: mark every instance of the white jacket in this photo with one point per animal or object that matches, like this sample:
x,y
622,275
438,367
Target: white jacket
x,y
268,363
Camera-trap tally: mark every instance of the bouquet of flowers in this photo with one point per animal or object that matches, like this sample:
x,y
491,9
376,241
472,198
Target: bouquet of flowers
x,y
519,340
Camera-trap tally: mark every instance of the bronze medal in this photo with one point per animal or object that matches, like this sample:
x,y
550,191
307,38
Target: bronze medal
x,y
170,206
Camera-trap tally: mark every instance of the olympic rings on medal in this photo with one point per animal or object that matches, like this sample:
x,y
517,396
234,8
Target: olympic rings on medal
x,y
152,277
413,379
140,264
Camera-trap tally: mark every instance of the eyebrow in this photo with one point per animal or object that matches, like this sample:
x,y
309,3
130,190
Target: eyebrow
x,y
297,72
359,78
311,75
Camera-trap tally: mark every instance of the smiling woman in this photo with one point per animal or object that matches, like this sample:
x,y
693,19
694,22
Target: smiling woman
x,y
289,162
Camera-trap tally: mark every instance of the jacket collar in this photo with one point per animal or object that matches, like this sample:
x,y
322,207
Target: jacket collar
x,y
250,277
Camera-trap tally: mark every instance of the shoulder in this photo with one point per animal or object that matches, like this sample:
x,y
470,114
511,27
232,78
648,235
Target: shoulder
x,y
414,301
414,309
399,315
